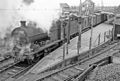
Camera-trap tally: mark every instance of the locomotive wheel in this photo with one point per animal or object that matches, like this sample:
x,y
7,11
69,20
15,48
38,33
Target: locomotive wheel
x,y
29,61
46,51
36,59
16,60
60,43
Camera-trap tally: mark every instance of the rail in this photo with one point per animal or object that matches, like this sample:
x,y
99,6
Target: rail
x,y
75,71
15,70
80,57
101,62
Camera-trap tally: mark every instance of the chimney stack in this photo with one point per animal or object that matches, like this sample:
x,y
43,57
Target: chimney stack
x,y
23,23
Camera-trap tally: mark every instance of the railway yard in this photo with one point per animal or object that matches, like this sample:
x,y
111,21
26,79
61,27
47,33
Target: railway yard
x,y
53,68
84,47
61,62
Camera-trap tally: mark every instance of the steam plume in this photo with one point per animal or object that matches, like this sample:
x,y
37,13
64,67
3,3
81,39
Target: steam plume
x,y
41,11
28,2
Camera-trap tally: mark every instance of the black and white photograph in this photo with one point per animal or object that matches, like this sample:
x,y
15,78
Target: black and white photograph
x,y
59,40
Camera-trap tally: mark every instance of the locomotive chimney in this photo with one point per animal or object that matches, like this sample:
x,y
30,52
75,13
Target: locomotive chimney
x,y
23,23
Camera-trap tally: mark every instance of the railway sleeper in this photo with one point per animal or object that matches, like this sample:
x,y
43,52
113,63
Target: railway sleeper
x,y
14,70
74,60
84,57
11,73
64,75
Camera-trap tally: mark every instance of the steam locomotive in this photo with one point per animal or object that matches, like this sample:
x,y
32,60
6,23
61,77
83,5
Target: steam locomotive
x,y
40,43
29,34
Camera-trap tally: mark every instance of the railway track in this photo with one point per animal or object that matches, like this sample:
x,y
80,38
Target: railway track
x,y
99,63
13,70
70,72
66,74
5,62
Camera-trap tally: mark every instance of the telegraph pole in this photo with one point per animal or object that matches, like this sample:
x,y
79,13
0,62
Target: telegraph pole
x,y
90,46
102,6
91,24
63,36
68,39
68,35
79,28
113,30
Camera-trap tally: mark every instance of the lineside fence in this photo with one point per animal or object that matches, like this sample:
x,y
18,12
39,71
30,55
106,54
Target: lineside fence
x,y
102,38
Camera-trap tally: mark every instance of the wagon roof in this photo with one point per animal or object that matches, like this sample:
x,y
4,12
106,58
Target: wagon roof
x,y
117,22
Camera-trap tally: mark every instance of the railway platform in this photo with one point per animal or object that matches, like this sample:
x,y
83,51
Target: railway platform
x,y
57,56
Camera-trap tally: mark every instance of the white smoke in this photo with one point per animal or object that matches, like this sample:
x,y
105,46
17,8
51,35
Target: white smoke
x,y
8,16
41,11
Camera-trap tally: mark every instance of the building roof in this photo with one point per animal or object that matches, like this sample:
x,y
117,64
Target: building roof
x,y
88,1
64,5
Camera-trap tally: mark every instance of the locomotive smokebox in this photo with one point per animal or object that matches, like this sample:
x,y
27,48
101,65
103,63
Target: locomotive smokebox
x,y
23,23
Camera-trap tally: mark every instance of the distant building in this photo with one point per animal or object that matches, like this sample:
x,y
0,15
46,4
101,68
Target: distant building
x,y
117,10
74,10
88,7
64,9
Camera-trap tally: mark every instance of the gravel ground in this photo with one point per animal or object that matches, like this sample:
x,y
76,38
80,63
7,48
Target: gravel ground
x,y
110,72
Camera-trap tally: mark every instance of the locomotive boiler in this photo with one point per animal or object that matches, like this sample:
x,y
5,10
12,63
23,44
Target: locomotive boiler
x,y
29,34
27,38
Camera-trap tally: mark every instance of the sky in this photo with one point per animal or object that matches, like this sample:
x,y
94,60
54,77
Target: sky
x,y
97,2
12,11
